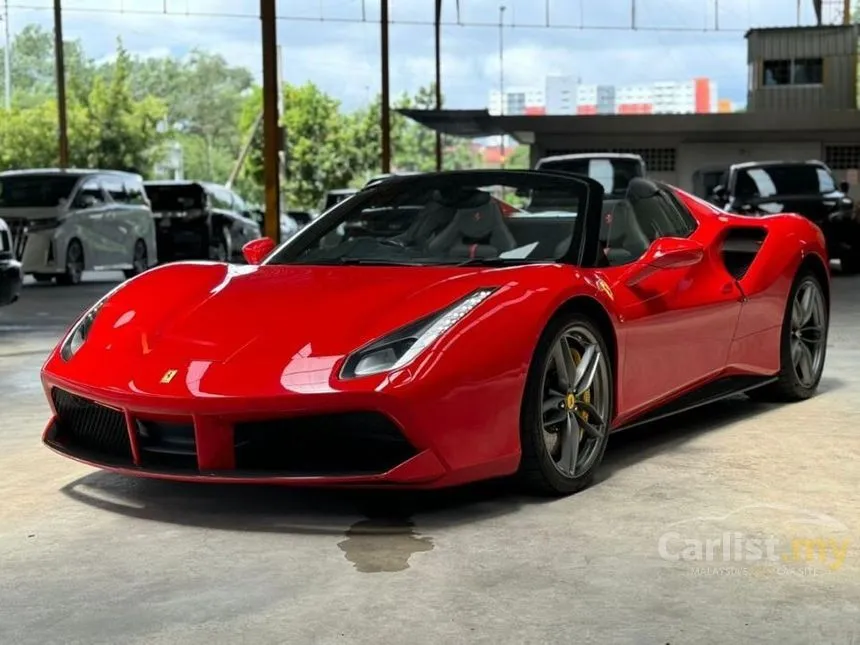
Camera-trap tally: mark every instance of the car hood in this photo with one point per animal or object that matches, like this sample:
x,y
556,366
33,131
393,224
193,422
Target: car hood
x,y
814,207
256,317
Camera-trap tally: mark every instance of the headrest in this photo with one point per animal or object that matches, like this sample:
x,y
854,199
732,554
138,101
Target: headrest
x,y
478,221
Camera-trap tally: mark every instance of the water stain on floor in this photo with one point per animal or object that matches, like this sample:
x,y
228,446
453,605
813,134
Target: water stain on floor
x,y
383,545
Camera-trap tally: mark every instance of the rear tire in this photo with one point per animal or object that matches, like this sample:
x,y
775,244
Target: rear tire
x,y
221,251
803,344
566,411
74,265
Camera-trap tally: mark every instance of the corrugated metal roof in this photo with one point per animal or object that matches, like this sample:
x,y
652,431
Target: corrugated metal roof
x,y
480,123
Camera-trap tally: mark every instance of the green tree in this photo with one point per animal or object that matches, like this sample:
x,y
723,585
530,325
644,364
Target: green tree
x,y
320,150
114,130
33,74
413,147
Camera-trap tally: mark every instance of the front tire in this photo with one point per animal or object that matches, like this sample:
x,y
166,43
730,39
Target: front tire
x,y
74,265
567,408
140,261
803,344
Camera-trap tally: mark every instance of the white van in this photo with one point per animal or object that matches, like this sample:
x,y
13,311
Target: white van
x,y
65,222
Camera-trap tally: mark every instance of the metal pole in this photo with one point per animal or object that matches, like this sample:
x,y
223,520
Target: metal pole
x,y
846,12
386,98
272,218
7,55
502,100
438,27
60,70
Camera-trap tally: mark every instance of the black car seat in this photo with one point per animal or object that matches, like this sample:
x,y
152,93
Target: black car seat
x,y
434,217
625,240
478,229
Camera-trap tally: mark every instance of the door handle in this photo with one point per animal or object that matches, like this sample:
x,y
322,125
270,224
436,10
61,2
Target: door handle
x,y
728,287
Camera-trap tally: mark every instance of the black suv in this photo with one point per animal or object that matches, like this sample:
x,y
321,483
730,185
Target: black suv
x,y
804,187
198,220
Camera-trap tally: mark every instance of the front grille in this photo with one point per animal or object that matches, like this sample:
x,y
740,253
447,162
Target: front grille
x,y
170,446
18,232
87,428
357,443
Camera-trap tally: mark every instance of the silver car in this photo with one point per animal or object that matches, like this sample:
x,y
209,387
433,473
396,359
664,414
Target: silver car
x,y
65,222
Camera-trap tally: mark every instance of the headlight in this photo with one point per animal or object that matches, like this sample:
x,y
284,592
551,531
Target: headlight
x,y
78,335
404,345
43,224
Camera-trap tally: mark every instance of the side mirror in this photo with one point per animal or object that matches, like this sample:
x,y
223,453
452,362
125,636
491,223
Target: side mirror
x,y
719,192
256,251
85,201
666,253
844,187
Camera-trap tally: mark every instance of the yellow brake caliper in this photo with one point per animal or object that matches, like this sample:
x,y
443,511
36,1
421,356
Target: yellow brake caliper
x,y
586,396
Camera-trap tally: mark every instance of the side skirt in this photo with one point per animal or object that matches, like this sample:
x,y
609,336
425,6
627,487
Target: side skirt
x,y
710,393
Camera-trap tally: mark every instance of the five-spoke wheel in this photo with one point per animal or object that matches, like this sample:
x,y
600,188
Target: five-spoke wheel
x,y
568,408
803,345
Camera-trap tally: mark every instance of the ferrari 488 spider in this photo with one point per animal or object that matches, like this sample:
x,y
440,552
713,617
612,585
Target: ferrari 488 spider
x,y
473,338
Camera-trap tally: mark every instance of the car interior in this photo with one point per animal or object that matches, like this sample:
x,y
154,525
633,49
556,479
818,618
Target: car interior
x,y
471,224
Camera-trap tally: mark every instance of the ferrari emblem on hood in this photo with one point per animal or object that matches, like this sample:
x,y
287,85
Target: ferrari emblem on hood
x,y
168,376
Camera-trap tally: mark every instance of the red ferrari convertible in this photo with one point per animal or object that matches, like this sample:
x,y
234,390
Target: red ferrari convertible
x,y
418,336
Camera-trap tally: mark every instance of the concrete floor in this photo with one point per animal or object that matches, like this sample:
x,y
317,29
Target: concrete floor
x,y
89,557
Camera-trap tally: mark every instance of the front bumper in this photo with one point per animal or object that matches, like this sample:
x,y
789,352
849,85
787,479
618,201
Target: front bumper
x,y
354,446
11,279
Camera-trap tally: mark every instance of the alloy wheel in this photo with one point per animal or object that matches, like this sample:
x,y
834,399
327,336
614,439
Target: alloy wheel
x,y
575,407
808,333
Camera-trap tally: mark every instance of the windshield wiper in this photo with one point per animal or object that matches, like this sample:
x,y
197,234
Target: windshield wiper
x,y
495,262
348,261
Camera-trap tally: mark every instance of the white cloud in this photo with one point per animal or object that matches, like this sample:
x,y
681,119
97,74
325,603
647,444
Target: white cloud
x,y
343,58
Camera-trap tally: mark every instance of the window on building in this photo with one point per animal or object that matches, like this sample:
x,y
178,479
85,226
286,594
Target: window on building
x,y
800,71
776,72
808,71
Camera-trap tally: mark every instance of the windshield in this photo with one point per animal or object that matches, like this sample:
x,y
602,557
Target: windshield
x,y
443,219
786,179
613,173
181,197
36,190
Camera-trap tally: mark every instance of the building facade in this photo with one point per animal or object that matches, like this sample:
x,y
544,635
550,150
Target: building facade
x,y
564,95
803,68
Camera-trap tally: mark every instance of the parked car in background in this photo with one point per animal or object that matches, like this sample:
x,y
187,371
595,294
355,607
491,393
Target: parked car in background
x,y
334,197
301,218
289,223
707,178
11,275
198,220
378,178
808,188
65,222
613,170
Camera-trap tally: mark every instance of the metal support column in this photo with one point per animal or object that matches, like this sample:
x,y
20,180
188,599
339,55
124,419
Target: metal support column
x,y
438,27
386,90
272,220
60,70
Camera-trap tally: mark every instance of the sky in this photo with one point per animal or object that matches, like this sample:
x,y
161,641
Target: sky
x,y
341,54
